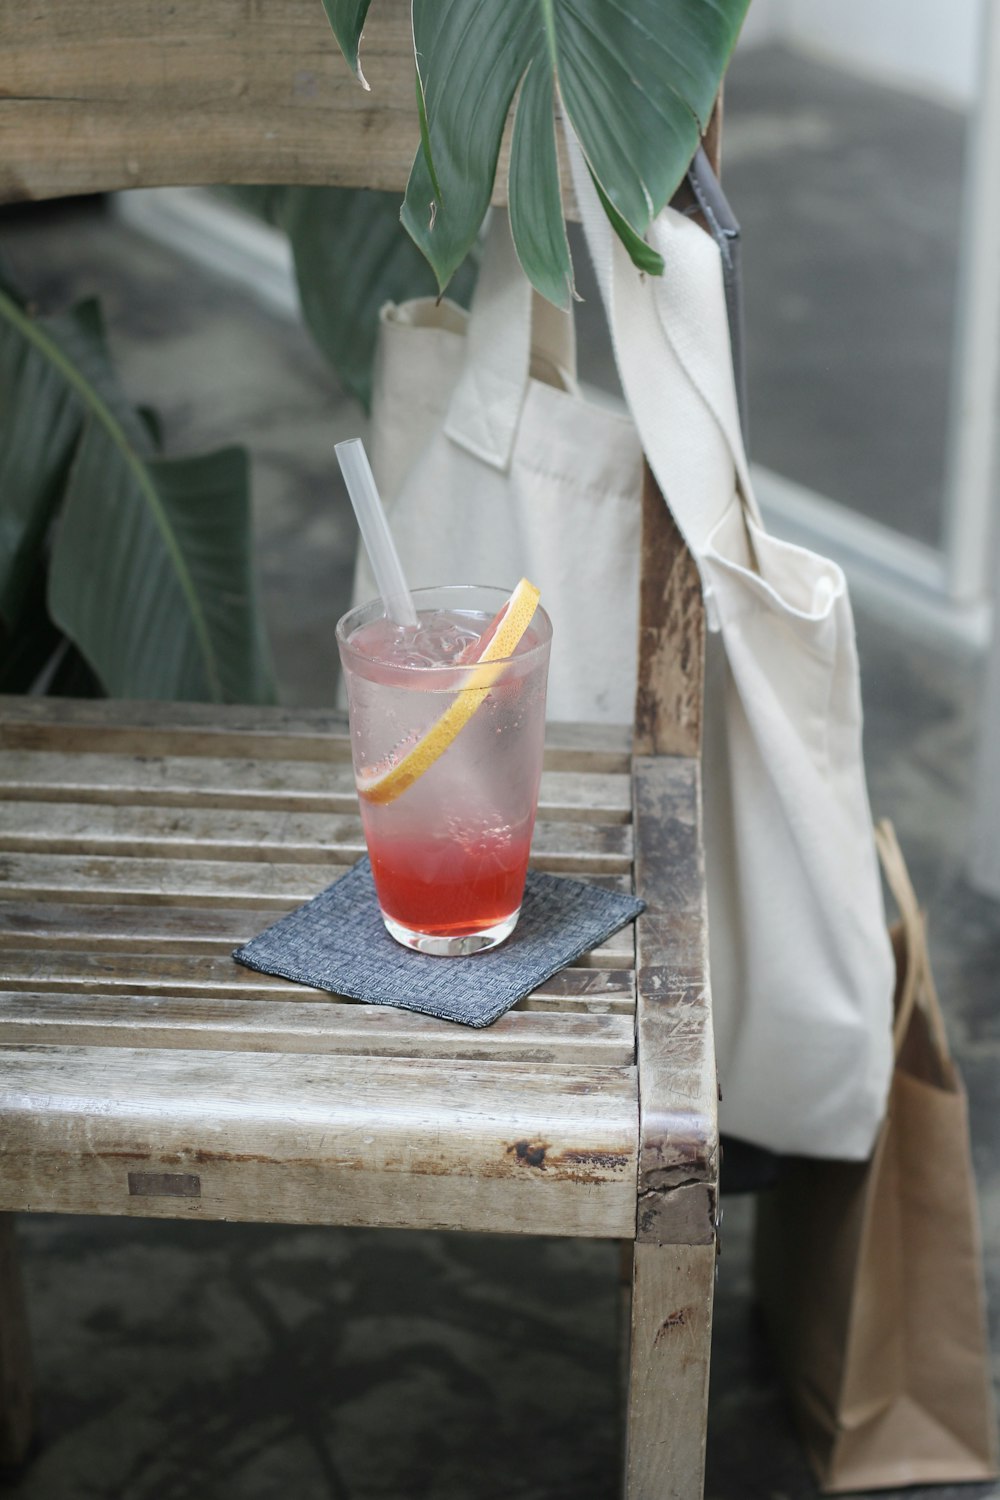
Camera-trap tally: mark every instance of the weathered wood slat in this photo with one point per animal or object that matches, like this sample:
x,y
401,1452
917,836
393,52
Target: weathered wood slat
x,y
136,727
101,1020
671,663
219,976
194,93
315,1139
547,1000
149,75
180,833
164,729
246,834
178,882
177,780
678,1092
278,786
607,1004
171,882
90,928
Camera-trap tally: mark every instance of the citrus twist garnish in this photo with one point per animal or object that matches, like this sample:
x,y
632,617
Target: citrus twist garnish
x,y
501,639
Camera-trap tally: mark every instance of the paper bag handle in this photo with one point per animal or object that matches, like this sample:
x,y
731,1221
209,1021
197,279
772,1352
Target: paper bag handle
x,y
918,980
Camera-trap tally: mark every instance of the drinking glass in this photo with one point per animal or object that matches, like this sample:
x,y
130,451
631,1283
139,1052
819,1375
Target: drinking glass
x,y
449,852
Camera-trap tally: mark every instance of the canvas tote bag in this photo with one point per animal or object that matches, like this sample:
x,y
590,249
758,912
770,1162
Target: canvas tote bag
x,y
492,466
801,964
870,1274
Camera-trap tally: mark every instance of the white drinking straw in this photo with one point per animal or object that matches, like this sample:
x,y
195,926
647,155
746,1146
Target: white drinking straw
x,y
375,533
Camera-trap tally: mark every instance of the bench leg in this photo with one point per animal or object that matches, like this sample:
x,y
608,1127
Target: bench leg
x,y
672,1291
15,1353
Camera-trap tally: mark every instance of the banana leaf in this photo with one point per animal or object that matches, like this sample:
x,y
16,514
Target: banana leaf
x,y
147,560
40,416
351,255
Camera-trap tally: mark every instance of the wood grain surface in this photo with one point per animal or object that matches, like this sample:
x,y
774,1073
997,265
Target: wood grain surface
x,y
678,1088
127,873
97,95
138,845
670,1343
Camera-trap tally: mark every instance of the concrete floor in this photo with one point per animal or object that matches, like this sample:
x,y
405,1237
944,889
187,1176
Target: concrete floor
x,y
221,1362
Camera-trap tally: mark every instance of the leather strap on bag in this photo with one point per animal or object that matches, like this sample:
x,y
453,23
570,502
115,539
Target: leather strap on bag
x,y
724,228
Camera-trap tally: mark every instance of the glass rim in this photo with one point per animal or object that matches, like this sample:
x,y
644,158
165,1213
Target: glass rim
x,y
440,671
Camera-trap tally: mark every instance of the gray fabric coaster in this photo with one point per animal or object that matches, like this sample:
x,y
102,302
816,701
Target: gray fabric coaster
x,y
337,942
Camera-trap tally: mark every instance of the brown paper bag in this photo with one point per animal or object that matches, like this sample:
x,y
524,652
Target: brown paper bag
x,y
870,1274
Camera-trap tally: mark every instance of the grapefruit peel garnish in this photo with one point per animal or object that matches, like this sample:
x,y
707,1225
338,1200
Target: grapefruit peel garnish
x,y
501,640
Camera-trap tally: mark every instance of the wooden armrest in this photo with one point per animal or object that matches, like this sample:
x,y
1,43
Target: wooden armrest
x,y
678,1087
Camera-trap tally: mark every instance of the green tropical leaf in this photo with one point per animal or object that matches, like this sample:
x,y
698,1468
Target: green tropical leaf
x,y
138,540
347,18
536,217
151,572
641,254
351,256
41,413
471,57
636,82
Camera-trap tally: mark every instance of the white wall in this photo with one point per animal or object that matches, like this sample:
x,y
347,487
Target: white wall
x,y
929,46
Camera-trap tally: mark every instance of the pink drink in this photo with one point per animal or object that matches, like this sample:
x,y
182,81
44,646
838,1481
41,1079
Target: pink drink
x,y
449,853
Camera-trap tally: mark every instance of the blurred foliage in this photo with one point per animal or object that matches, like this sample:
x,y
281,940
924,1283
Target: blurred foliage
x,y
121,571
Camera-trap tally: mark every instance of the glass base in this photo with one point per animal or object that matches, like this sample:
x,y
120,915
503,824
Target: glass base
x,y
452,945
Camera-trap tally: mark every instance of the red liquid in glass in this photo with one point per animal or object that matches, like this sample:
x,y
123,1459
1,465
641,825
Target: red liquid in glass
x,y
441,887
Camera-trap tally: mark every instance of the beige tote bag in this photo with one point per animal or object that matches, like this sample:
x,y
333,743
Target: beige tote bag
x,y
802,970
493,467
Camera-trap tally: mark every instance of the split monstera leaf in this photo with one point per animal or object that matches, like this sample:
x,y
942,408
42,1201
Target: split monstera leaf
x,y
635,81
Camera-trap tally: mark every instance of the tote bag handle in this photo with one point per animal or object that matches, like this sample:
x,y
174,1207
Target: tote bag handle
x,y
674,355
509,326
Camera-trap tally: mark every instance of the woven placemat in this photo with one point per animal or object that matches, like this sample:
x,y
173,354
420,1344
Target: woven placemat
x,y
337,942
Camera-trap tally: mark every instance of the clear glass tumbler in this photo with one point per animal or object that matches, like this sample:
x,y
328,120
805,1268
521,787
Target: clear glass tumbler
x,y
449,846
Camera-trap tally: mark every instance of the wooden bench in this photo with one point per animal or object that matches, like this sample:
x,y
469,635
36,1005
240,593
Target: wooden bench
x,y
141,1070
